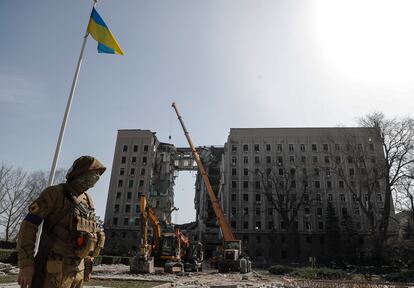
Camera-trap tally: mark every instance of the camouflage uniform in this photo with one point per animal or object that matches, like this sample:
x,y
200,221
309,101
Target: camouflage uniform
x,y
65,266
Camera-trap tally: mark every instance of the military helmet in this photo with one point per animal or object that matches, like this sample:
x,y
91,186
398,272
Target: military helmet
x,y
84,164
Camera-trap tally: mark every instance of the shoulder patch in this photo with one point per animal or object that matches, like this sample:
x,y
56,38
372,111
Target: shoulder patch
x,y
34,208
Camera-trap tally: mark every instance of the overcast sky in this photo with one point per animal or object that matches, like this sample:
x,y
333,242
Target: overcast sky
x,y
233,63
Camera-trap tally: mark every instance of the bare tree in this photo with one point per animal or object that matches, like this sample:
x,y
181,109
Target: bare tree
x,y
14,203
287,190
5,173
397,139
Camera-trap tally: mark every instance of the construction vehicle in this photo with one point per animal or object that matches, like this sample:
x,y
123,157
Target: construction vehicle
x,y
144,262
233,259
193,258
168,248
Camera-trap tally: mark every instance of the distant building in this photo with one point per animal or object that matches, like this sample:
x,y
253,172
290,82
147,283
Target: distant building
x,y
322,156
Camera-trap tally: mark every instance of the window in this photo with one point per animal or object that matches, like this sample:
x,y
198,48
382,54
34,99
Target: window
x,y
118,195
127,208
359,147
373,159
233,184
371,146
257,159
257,184
257,211
124,234
320,227
126,221
234,160
115,221
246,224
129,194
145,148
268,147
307,211
314,147
379,197
329,184
291,148
256,148
246,197
258,225
315,159
319,211
125,148
245,172
233,171
122,171
120,183
325,147
116,208
233,148
233,224
356,210
131,183
280,160
303,159
292,159
328,172
233,197
344,212
281,171
144,160
245,148
316,171
245,211
330,198
270,211
341,184
279,148
317,184
136,221
246,159
268,159
123,159
134,160
351,171
318,197
302,147
137,208
233,211
135,148
245,184
342,197
327,160
337,147
141,183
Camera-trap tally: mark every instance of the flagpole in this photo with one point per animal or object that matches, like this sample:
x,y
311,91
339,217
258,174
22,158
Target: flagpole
x,y
62,129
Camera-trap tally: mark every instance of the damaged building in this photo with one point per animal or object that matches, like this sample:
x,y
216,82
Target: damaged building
x,y
318,167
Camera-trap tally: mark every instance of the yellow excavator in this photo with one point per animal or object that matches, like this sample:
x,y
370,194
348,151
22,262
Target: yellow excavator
x,y
170,247
233,259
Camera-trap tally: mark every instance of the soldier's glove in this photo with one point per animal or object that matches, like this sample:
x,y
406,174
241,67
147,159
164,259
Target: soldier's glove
x,y
26,276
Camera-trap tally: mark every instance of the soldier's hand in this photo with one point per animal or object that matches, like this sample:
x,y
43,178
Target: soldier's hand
x,y
25,276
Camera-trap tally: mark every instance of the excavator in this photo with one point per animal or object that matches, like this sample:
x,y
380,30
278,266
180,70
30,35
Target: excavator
x,y
233,259
169,248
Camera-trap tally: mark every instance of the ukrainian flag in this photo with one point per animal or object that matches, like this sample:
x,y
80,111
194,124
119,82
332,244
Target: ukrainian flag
x,y
100,32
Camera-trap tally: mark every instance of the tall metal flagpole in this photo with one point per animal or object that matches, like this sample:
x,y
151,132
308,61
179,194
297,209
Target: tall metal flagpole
x,y
62,129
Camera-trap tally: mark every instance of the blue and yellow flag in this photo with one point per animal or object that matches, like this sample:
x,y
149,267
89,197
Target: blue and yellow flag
x,y
100,32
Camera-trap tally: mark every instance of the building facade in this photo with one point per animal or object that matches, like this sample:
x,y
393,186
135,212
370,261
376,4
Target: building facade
x,y
256,171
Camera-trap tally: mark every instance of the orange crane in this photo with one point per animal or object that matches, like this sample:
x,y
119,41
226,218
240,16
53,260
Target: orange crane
x,y
233,259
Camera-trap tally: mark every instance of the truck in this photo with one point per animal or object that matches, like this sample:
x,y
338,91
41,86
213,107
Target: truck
x,y
233,258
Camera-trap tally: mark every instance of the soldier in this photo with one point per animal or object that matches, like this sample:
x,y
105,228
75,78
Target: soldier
x,y
70,237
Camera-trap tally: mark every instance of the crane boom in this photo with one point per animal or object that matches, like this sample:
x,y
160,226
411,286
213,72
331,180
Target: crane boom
x,y
228,234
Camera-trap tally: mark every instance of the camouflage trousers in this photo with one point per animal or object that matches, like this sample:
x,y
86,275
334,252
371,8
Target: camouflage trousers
x,y
67,279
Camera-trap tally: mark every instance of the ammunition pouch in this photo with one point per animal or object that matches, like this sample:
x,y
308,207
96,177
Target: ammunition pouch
x,y
100,244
